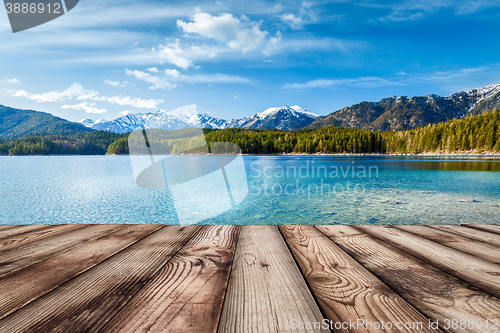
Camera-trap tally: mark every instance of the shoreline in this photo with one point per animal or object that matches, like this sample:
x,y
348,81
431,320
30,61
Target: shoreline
x,y
430,155
425,154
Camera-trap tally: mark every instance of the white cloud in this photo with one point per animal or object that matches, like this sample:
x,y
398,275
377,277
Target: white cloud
x,y
20,93
172,76
172,72
411,10
186,109
176,76
225,28
217,78
361,82
88,108
305,16
157,83
135,102
12,81
78,92
153,70
124,113
451,74
293,21
113,83
174,54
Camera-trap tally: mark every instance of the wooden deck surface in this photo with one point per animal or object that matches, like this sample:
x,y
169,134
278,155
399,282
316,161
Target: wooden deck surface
x,y
288,278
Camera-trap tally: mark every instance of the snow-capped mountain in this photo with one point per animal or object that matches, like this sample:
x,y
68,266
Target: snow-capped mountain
x,y
401,113
284,118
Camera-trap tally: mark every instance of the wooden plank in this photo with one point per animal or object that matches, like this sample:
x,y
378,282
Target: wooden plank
x,y
480,235
187,293
29,283
486,227
476,271
479,249
436,294
88,302
27,238
9,232
266,291
31,254
5,227
345,290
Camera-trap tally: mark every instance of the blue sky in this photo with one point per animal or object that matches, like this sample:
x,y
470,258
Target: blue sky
x,y
236,58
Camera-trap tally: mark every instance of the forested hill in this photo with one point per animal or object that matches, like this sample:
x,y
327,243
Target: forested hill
x,y
480,133
92,143
17,123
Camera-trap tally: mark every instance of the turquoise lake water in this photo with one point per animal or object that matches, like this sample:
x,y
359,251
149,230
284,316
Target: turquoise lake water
x,y
281,189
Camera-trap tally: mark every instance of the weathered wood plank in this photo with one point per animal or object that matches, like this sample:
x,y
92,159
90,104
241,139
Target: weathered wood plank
x,y
27,238
29,283
16,259
435,293
187,293
5,227
266,291
9,232
480,235
88,302
476,271
486,227
345,290
479,249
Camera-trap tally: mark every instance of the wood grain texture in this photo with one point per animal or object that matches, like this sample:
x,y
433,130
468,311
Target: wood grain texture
x,y
29,283
480,235
20,240
88,302
486,227
5,227
9,232
187,293
345,290
16,259
479,249
476,271
435,293
266,290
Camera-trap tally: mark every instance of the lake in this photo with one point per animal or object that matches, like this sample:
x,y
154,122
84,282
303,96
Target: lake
x,y
278,189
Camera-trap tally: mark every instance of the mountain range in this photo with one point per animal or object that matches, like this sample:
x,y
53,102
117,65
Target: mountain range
x,y
388,114
281,118
402,113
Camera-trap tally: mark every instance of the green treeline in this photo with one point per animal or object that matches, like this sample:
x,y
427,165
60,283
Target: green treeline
x,y
92,143
327,140
480,133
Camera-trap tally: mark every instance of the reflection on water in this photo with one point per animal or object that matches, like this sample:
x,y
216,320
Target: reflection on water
x,y
281,189
447,165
